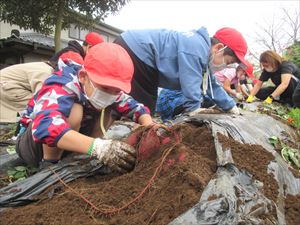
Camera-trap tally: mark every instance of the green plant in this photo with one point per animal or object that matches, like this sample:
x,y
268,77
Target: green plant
x,y
290,155
11,149
294,117
17,173
274,140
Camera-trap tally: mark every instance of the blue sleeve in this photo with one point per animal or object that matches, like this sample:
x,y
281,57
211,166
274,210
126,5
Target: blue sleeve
x,y
190,77
219,95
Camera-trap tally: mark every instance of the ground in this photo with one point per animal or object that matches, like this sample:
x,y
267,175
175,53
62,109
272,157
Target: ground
x,y
157,191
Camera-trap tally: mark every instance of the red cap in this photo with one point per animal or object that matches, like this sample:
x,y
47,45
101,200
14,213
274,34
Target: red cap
x,y
249,70
234,40
72,56
109,64
93,38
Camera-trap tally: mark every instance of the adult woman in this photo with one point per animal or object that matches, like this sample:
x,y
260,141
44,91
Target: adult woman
x,y
284,74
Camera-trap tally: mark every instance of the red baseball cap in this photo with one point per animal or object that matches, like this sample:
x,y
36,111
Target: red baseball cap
x,y
234,40
72,56
109,64
93,38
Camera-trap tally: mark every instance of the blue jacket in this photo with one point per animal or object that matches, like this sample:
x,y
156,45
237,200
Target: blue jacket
x,y
180,58
168,100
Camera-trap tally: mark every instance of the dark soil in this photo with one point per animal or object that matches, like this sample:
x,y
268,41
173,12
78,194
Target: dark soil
x,y
292,209
176,189
255,160
179,185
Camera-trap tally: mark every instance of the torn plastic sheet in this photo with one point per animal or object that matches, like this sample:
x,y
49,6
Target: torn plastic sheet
x,y
233,196
25,191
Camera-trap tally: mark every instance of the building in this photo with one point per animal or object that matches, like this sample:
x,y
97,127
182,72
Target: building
x,y
22,46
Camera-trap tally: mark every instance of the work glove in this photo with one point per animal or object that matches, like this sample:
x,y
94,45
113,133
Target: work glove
x,y
117,155
250,99
204,111
268,100
239,96
235,110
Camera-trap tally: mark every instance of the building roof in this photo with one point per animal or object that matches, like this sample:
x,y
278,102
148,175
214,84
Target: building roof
x,y
37,38
28,42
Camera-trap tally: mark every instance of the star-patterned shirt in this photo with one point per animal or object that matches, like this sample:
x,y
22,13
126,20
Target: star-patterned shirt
x,y
50,107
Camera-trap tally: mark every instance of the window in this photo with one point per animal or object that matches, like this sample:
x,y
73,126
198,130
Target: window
x,y
77,33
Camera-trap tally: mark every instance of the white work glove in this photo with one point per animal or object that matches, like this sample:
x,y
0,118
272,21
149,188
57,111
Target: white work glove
x,y
235,110
117,155
239,96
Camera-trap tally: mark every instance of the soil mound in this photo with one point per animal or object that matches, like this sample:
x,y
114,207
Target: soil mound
x,y
159,189
183,176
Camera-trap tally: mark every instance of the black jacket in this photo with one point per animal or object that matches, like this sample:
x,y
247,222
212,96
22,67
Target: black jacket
x,y
72,46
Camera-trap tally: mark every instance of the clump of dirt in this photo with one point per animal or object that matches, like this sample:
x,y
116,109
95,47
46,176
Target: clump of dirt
x,y
255,160
183,177
292,209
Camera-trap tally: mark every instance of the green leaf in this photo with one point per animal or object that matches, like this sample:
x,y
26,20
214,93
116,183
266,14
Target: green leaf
x,y
273,140
19,175
291,155
11,150
20,168
11,173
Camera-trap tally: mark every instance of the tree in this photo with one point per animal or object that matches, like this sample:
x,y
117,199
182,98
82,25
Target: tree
x,y
293,53
281,31
45,16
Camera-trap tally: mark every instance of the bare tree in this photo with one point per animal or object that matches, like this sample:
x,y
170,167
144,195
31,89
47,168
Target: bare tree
x,y
280,32
293,23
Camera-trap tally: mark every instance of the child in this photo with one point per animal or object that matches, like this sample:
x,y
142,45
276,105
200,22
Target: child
x,y
74,46
234,77
53,117
177,60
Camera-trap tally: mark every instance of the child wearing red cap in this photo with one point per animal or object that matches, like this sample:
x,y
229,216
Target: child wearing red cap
x,y
19,82
54,116
177,61
236,78
75,47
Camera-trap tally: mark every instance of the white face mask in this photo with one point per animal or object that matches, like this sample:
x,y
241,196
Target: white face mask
x,y
269,69
101,99
213,67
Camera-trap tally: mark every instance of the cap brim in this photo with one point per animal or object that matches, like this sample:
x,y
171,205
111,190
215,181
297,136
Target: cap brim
x,y
108,82
245,62
241,58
